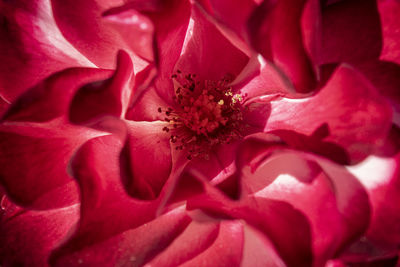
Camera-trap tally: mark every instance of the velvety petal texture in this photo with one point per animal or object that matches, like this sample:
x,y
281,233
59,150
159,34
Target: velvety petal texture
x,y
275,31
32,47
199,133
44,229
333,105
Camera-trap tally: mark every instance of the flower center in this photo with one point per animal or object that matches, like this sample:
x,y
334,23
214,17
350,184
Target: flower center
x,y
207,113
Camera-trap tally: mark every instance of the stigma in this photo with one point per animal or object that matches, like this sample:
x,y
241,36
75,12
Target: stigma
x,y
206,114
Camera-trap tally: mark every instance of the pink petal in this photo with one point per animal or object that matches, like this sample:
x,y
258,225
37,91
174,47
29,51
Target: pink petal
x,y
350,107
146,107
382,179
193,242
267,80
232,14
282,43
109,97
170,21
226,250
389,11
34,162
312,31
148,159
29,237
51,98
208,54
385,76
96,168
346,25
273,218
133,247
258,251
91,34
137,31
32,47
334,201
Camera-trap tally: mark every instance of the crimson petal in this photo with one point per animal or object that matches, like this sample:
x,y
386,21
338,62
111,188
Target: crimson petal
x,y
346,25
96,168
282,43
273,218
208,54
30,236
389,11
29,177
348,104
148,159
109,97
31,46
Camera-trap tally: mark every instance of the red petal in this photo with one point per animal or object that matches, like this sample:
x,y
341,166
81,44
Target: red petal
x,y
334,201
350,107
86,29
346,25
136,30
146,107
230,235
170,20
29,237
273,218
109,97
389,11
269,80
133,247
193,242
31,46
96,168
51,98
275,31
149,160
34,162
381,177
385,76
258,250
208,54
232,14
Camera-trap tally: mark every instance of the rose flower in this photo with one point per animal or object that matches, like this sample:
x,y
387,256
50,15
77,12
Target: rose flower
x,y
253,133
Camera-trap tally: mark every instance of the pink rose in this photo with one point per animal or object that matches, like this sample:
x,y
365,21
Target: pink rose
x,y
253,133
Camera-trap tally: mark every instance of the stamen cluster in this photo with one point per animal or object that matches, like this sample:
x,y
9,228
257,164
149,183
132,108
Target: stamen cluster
x,y
207,113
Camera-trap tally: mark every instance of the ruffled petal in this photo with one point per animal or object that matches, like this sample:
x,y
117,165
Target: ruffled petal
x,y
148,159
349,106
334,201
170,21
133,247
208,54
29,236
283,43
106,209
34,160
94,36
109,97
52,97
32,47
230,234
272,218
381,177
